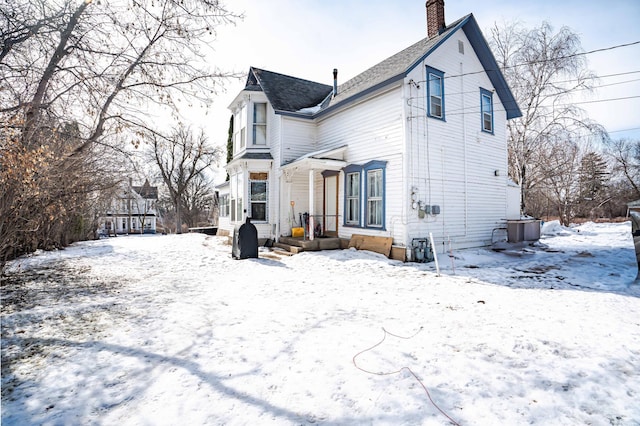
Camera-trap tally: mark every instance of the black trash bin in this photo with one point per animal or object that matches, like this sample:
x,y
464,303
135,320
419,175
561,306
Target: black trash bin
x,y
635,230
245,241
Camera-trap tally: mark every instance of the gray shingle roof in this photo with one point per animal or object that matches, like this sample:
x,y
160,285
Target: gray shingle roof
x,y
286,93
256,156
395,66
291,94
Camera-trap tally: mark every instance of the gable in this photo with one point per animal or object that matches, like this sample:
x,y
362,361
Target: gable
x,y
399,65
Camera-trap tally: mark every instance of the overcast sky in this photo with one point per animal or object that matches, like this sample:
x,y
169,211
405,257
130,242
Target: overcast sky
x,y
308,38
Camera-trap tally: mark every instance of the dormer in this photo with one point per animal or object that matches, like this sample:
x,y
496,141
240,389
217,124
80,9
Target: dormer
x,y
251,111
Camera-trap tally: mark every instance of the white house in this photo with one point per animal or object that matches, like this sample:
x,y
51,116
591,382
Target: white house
x,y
415,145
132,211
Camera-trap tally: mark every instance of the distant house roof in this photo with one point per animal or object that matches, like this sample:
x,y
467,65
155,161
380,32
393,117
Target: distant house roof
x,y
293,96
147,191
634,204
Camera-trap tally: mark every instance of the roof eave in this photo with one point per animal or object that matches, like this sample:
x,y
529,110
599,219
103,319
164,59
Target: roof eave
x,y
361,94
491,67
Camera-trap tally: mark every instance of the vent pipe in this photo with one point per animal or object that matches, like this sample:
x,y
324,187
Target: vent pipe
x,y
335,82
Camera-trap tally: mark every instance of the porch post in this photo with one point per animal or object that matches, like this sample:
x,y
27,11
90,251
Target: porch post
x,y
311,207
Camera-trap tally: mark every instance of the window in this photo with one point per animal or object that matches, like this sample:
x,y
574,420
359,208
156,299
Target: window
x,y
486,106
239,129
258,196
236,197
224,205
372,198
435,93
260,124
352,205
375,193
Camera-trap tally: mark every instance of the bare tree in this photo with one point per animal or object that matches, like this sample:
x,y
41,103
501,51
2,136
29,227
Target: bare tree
x,y
560,164
197,201
48,197
182,160
544,70
105,63
79,76
625,156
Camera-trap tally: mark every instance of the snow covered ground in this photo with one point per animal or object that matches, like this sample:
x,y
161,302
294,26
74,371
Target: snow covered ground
x,y
170,330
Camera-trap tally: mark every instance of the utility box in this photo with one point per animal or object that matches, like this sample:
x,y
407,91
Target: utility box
x,y
523,230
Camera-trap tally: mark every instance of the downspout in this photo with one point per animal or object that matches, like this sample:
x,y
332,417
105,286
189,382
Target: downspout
x,y
407,179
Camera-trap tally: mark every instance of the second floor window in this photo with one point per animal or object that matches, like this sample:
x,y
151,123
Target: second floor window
x,y
239,129
259,124
486,106
435,93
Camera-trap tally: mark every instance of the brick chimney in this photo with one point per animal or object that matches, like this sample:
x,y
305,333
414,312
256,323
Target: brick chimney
x,y
435,17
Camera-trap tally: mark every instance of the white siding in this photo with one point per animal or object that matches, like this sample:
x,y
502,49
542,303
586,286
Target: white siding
x,y
453,163
373,130
298,138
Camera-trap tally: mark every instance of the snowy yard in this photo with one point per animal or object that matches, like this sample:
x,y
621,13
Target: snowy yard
x,y
169,330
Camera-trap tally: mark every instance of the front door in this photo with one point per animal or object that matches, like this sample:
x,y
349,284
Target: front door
x,y
331,205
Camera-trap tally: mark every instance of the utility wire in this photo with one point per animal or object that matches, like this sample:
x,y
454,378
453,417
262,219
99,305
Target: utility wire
x,y
541,61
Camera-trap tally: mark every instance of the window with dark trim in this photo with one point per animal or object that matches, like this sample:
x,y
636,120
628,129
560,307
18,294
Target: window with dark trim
x,y
435,93
352,195
375,189
486,108
365,195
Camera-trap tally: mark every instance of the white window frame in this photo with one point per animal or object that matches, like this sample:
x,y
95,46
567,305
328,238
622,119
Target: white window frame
x,y
352,200
486,110
375,198
259,127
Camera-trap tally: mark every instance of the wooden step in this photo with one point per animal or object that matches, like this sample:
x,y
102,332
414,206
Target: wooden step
x,y
291,249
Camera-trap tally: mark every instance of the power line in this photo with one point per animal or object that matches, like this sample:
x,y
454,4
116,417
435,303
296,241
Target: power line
x,y
624,130
476,108
558,82
604,100
541,61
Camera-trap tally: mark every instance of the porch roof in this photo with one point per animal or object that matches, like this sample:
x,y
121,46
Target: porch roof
x,y
326,159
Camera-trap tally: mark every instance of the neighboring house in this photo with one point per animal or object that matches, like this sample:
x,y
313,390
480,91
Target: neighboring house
x,y
132,211
415,145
